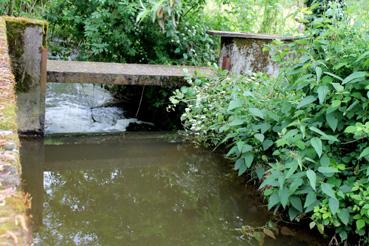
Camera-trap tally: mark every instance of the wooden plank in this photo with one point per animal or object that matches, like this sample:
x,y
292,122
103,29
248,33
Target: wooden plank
x,y
122,74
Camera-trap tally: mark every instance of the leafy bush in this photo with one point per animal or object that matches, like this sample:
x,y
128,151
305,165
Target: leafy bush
x,y
109,31
304,134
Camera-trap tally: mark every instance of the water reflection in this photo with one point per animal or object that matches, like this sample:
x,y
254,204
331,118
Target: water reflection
x,y
139,190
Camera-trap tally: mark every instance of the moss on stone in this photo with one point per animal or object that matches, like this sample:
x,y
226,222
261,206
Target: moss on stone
x,y
8,116
13,226
15,29
22,23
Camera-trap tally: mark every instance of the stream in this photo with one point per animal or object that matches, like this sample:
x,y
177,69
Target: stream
x,y
132,188
79,108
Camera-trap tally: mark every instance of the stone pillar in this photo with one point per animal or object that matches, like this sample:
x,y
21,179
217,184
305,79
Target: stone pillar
x,y
28,53
243,53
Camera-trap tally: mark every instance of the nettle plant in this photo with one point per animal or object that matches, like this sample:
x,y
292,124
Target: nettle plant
x,y
304,134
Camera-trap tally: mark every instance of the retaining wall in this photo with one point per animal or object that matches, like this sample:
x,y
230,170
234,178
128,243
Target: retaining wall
x,y
22,44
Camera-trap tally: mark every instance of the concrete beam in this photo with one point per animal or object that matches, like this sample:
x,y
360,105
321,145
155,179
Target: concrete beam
x,y
120,74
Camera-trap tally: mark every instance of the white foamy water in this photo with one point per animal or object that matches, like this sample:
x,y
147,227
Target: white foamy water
x,y
76,108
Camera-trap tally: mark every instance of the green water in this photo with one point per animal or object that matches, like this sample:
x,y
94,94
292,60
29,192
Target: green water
x,y
137,189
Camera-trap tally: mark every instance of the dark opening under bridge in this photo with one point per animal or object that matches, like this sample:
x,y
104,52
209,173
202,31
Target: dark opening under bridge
x,y
121,74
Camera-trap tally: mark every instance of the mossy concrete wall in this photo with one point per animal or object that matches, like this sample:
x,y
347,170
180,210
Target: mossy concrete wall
x,y
27,41
13,203
245,56
244,53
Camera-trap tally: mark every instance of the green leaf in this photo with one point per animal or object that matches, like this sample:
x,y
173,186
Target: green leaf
x,y
328,190
234,104
343,235
355,77
333,75
344,216
267,144
360,224
320,228
306,101
292,168
332,121
364,153
293,213
259,137
296,203
328,170
283,196
249,158
295,185
317,145
324,135
238,164
322,93
256,112
264,127
333,205
312,178
365,55
242,169
260,172
243,147
310,199
338,87
319,72
273,200
236,122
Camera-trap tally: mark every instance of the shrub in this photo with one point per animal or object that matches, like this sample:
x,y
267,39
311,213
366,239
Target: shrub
x,y
304,134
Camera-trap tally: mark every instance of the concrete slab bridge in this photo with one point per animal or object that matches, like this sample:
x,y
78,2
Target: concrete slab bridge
x,y
27,41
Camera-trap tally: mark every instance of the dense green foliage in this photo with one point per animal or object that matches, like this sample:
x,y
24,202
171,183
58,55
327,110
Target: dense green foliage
x,y
109,31
150,31
303,135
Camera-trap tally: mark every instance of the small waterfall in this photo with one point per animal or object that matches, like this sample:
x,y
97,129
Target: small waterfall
x,y
79,108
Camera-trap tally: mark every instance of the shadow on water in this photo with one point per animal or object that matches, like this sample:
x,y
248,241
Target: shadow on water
x,y
136,189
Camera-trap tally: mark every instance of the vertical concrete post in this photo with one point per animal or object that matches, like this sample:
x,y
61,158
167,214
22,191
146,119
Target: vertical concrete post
x,y
27,41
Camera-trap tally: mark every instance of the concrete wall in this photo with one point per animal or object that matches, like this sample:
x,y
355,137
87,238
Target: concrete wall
x,y
26,40
13,203
243,53
245,56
